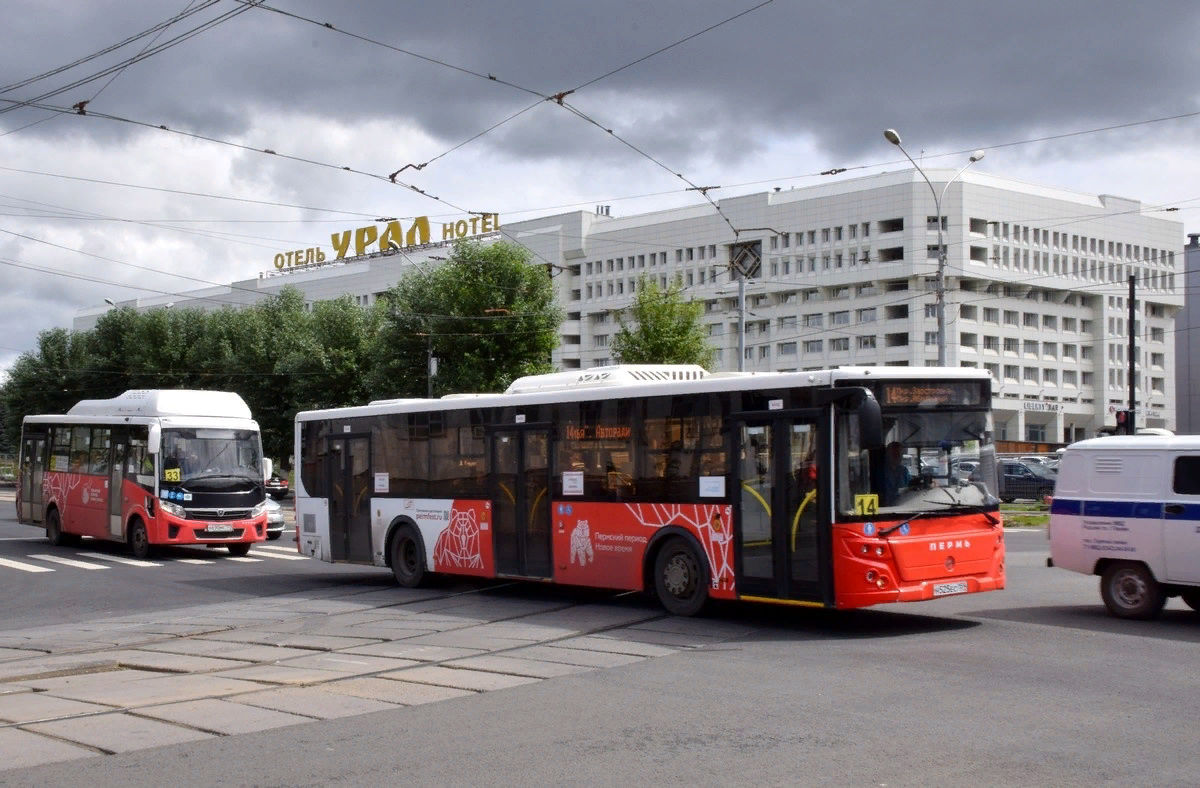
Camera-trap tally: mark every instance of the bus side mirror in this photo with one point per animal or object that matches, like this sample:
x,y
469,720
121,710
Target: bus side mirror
x,y
268,468
870,423
154,441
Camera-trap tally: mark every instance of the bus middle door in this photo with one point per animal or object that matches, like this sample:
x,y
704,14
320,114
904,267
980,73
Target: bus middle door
x,y
349,476
781,523
520,464
33,470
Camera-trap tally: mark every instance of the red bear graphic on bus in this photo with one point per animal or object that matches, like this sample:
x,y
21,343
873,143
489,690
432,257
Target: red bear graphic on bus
x,y
459,546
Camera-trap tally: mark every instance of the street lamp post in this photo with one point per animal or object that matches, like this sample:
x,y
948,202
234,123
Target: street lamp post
x,y
891,136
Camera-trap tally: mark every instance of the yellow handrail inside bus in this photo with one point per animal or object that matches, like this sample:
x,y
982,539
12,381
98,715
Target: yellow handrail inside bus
x,y
796,520
533,509
511,498
754,492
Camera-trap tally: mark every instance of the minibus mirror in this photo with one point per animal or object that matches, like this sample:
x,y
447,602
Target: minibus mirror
x,y
870,423
268,468
154,442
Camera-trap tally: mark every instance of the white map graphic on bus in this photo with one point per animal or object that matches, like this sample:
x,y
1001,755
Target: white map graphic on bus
x,y
581,544
712,523
58,486
458,545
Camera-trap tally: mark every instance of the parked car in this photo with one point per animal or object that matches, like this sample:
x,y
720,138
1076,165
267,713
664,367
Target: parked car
x,y
277,487
274,519
1021,480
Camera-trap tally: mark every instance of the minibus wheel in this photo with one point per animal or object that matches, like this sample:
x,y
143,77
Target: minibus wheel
x,y
1129,590
139,539
239,549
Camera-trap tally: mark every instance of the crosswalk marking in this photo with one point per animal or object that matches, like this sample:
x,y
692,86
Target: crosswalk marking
x,y
119,560
284,556
243,559
57,559
24,567
277,548
202,561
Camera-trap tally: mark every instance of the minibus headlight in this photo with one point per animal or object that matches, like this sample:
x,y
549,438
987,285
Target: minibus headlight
x,y
257,511
173,508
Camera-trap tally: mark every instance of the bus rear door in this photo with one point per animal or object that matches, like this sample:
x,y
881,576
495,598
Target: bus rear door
x,y
521,500
782,522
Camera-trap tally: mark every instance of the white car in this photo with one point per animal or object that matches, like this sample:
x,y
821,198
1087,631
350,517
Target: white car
x,y
274,519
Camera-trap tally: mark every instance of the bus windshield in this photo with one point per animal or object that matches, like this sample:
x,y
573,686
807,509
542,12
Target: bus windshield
x,y
932,459
192,455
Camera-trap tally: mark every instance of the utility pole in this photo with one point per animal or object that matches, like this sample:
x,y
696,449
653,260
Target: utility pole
x,y
1129,420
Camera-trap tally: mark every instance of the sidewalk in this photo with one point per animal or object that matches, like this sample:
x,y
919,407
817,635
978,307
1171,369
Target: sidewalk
x,y
134,682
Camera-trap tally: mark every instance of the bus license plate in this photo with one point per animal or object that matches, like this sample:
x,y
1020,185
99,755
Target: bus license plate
x,y
946,589
228,529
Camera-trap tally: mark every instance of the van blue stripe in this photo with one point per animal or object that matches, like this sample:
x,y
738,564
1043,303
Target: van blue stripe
x,y
1150,510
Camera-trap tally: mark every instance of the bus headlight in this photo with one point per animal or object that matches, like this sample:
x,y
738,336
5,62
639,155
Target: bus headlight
x,y
173,508
257,511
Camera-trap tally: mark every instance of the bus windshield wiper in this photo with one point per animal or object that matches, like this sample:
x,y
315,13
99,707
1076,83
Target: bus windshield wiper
x,y
888,531
991,518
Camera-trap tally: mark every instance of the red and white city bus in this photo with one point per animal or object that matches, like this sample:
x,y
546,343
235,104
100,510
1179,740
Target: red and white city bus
x,y
147,468
838,488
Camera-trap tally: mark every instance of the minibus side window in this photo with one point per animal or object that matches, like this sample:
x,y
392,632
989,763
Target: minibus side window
x,y
1187,475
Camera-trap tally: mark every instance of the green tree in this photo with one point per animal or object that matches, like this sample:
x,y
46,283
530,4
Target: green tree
x,y
487,314
49,379
665,328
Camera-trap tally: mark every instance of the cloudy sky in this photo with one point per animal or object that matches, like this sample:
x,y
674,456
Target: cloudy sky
x,y
747,95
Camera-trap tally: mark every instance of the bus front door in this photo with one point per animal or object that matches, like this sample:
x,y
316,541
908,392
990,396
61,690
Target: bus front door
x,y
521,501
350,499
116,484
33,469
780,522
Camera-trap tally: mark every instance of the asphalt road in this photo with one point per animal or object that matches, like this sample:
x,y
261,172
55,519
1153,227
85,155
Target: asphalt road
x,y
1032,685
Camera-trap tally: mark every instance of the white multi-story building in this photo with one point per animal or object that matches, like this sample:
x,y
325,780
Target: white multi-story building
x,y
842,273
1187,367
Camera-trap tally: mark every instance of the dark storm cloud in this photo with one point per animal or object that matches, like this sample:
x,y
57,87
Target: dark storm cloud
x,y
945,73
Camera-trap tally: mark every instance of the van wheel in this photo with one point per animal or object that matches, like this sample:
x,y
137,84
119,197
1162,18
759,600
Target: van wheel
x,y
1191,598
239,549
408,562
680,579
1129,590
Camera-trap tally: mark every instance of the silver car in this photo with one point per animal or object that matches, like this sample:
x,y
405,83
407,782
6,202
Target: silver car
x,y
274,519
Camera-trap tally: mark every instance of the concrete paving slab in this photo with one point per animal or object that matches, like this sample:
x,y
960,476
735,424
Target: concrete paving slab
x,y
166,689
221,716
7,653
239,651
14,690
19,749
281,674
593,617
405,693
118,732
532,668
574,656
174,663
458,678
49,665
535,633
294,640
35,706
354,664
616,646
328,606
697,626
106,678
385,632
467,638
313,702
663,638
405,650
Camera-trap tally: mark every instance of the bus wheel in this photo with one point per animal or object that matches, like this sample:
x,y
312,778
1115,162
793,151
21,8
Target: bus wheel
x,y
408,564
54,532
139,540
680,579
1191,598
1129,590
238,550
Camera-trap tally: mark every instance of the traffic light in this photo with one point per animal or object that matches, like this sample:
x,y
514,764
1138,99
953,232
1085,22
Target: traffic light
x,y
1124,422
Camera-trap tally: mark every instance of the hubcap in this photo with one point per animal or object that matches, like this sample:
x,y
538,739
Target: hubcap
x,y
409,552
1129,588
678,576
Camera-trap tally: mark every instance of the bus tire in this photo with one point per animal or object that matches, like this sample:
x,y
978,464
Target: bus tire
x,y
1129,590
54,533
1191,598
238,550
139,539
408,559
680,578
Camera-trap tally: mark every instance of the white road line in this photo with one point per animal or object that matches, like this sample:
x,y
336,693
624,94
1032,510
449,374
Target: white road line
x,y
277,548
119,560
243,559
24,567
204,561
285,556
68,562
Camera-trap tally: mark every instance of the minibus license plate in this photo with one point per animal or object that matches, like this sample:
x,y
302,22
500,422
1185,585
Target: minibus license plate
x,y
228,529
945,589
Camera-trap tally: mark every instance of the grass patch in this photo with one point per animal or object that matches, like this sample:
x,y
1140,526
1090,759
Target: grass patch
x,y
1025,515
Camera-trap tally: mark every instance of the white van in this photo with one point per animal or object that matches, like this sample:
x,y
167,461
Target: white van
x,y
1127,508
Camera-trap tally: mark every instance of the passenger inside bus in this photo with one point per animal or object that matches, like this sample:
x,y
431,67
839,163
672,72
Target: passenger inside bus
x,y
893,478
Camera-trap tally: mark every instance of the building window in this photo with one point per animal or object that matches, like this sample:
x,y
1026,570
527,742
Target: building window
x,y
839,343
813,346
1035,433
787,349
866,343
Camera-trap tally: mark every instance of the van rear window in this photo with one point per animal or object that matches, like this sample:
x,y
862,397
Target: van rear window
x,y
1187,475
